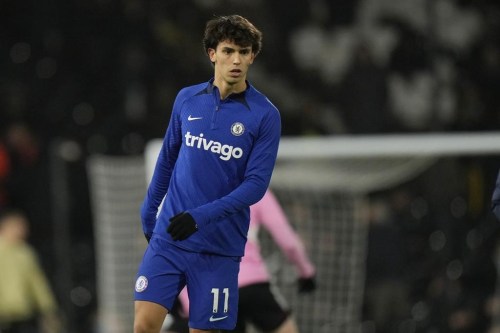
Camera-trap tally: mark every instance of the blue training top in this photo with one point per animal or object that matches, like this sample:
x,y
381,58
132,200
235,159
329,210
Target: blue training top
x,y
216,160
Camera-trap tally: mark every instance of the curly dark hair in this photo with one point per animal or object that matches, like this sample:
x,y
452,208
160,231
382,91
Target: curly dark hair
x,y
234,28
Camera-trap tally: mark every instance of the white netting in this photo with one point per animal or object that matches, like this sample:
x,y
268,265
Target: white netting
x,y
330,225
117,189
324,198
323,185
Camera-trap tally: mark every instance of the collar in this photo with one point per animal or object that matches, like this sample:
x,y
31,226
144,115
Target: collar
x,y
235,96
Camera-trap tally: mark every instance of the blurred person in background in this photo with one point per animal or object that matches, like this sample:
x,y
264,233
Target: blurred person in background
x,y
495,200
216,160
27,304
27,185
260,302
386,295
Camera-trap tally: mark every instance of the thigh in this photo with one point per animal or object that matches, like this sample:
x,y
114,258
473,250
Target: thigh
x,y
148,316
212,284
161,275
263,306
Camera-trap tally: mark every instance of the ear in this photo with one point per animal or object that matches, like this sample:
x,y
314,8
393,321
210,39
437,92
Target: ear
x,y
211,55
252,58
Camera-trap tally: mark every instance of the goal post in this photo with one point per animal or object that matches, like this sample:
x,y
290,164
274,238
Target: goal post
x,y
323,184
389,145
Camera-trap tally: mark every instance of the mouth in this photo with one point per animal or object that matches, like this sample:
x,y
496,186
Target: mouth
x,y
235,72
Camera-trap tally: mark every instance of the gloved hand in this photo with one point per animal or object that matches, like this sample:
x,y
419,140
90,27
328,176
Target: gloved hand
x,y
182,226
306,285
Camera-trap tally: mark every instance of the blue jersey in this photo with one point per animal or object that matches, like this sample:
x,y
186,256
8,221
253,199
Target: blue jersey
x,y
216,160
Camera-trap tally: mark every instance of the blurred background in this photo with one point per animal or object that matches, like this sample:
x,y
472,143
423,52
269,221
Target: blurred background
x,y
82,78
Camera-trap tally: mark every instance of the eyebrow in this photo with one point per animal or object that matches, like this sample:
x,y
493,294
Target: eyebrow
x,y
228,48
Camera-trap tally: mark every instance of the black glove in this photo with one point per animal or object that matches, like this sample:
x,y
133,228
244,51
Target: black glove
x,y
306,285
182,226
148,237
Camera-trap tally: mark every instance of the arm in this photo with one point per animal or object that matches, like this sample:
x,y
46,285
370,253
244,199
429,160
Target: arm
x,y
258,173
273,218
495,201
163,170
43,297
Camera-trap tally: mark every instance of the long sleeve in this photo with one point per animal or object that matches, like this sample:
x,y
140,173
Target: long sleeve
x,y
40,288
162,173
273,219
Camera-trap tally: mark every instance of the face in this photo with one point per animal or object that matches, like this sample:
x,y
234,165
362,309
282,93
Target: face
x,y
14,228
231,62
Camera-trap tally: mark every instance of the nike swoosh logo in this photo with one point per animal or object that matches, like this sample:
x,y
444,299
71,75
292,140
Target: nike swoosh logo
x,y
212,319
190,118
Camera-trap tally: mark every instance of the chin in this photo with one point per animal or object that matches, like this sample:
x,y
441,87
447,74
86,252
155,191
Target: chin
x,y
232,80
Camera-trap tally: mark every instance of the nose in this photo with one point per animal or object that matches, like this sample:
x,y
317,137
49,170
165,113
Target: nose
x,y
236,58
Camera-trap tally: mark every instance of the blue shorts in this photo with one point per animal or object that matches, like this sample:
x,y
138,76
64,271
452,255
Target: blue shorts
x,y
211,280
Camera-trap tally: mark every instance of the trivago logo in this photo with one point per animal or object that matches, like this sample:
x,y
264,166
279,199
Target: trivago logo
x,y
226,151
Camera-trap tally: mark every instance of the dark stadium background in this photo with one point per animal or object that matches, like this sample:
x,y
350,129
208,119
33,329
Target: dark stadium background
x,y
83,77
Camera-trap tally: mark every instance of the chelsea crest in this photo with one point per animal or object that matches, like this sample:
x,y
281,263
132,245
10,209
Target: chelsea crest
x,y
237,129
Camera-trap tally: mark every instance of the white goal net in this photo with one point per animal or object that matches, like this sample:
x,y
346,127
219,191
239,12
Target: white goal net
x,y
324,185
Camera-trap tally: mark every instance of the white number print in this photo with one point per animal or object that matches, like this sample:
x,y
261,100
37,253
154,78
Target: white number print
x,y
215,292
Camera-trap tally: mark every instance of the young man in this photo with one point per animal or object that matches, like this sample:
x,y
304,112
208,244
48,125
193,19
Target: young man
x,y
216,160
259,303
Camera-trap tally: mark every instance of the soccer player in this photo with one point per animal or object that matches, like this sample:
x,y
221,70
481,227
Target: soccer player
x,y
260,303
216,160
495,200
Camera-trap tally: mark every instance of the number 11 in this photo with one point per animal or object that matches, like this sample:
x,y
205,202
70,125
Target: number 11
x,y
215,291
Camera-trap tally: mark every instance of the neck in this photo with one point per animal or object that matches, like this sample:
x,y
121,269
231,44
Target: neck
x,y
226,89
